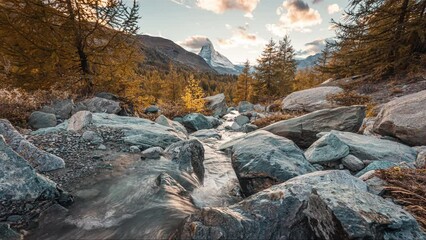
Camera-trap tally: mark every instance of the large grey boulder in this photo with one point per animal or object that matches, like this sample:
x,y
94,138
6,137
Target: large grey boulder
x,y
310,100
371,148
404,118
39,159
138,131
320,205
18,180
303,130
196,121
189,155
327,149
217,104
39,120
61,108
98,105
245,106
262,159
79,121
163,120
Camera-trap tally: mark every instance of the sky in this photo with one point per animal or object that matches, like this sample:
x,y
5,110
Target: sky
x,y
239,29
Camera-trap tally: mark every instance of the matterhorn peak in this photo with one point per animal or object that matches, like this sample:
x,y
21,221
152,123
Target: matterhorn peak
x,y
216,60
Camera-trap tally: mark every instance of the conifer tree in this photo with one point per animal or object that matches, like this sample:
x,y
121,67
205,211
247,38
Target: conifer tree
x,y
172,86
193,95
244,88
266,74
285,66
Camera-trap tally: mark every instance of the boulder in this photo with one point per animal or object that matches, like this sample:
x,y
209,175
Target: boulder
x,y
163,120
61,108
79,121
214,121
92,137
320,205
242,120
371,148
310,100
262,159
303,130
404,118
377,165
189,155
18,180
107,95
421,158
152,153
249,128
206,133
327,149
39,159
134,149
352,163
196,121
152,110
7,233
217,104
138,131
245,106
39,120
98,105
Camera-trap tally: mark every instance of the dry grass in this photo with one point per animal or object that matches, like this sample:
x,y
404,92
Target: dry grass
x,y
266,121
352,98
408,188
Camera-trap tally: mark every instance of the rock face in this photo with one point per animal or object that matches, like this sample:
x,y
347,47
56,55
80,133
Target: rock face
x,y
163,120
303,130
371,148
39,159
328,148
262,159
310,100
18,180
99,105
39,120
320,205
217,104
196,121
189,155
404,118
79,121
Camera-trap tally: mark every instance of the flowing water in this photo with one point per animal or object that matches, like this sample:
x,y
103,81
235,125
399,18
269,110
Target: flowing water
x,y
130,205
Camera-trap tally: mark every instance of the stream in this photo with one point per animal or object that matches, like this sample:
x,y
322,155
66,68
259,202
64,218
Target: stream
x,y
130,205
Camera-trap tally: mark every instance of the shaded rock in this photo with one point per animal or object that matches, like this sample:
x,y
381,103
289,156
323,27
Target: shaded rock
x,y
371,148
39,120
206,133
169,185
214,121
7,233
262,159
303,130
249,128
98,105
189,155
241,120
152,110
61,108
404,118
163,120
328,148
153,153
39,159
79,121
107,95
421,158
320,205
352,163
235,126
196,121
376,165
18,180
217,104
52,130
375,184
310,100
138,131
245,106
92,137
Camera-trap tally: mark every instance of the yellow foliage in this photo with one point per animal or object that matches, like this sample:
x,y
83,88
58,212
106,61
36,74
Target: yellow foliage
x,y
193,95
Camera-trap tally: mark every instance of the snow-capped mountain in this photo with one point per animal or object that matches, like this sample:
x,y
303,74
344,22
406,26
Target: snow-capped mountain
x,y
216,60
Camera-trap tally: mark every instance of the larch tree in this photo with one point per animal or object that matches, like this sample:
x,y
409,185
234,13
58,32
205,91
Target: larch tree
x,y
193,95
244,88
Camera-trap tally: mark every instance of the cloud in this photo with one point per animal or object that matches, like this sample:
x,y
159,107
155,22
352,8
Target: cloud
x,y
314,47
333,8
194,43
220,6
295,15
241,37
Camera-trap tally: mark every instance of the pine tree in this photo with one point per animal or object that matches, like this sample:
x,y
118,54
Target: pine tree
x,y
244,88
266,74
285,66
193,95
